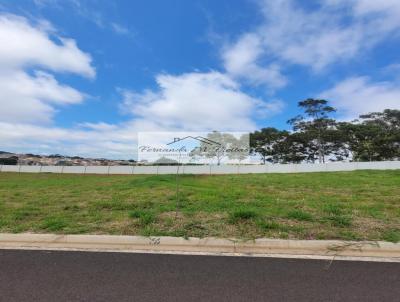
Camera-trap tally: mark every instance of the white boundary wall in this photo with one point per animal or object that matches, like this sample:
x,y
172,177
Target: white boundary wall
x,y
207,169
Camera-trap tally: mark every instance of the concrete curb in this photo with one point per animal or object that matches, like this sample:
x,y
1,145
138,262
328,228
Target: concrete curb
x,y
316,249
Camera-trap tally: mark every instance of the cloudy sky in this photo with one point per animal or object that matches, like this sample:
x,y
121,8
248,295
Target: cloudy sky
x,y
84,77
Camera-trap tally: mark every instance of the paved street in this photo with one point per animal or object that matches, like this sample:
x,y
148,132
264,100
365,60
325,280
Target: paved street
x,y
77,276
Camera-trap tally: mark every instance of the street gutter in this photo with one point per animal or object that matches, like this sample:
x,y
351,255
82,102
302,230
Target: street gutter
x,y
279,248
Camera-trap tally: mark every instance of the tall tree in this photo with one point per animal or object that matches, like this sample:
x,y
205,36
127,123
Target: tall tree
x,y
374,136
316,126
266,143
294,148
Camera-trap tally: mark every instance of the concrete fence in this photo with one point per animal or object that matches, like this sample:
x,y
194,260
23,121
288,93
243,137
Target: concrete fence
x,y
207,169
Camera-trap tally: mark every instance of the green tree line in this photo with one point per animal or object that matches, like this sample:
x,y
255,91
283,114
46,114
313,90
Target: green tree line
x,y
317,137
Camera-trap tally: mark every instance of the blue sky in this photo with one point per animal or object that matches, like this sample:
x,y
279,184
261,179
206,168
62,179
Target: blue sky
x,y
83,77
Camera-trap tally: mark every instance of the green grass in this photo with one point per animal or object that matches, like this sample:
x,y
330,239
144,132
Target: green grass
x,y
53,224
242,214
340,221
300,215
144,217
392,235
360,205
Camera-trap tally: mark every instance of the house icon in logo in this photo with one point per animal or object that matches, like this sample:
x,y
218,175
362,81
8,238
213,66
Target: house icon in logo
x,y
191,138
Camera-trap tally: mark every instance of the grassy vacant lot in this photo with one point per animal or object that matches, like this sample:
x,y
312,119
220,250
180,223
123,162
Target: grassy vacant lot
x,y
346,205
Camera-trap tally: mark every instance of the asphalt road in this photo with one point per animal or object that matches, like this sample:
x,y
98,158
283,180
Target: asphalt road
x,y
78,276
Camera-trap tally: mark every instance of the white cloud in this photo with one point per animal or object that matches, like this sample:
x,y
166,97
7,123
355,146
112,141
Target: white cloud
x,y
270,108
81,8
332,31
116,141
314,38
26,98
119,29
43,3
99,126
194,102
362,8
392,71
240,60
24,45
87,11
358,95
33,97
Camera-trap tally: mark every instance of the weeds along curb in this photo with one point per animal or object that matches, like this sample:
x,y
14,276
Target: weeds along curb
x,y
258,247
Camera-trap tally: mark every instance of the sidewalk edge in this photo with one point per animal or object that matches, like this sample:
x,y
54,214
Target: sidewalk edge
x,y
323,249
